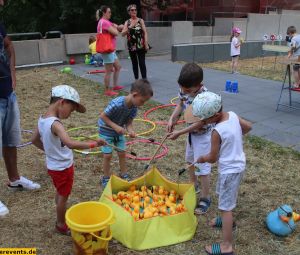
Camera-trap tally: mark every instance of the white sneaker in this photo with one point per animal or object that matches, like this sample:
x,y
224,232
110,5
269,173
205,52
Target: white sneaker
x,y
3,210
23,183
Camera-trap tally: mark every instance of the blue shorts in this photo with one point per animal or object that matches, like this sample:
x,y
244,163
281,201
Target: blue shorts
x,y
118,141
109,58
10,131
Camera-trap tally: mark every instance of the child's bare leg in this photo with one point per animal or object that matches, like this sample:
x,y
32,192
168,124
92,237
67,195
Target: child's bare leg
x,y
235,63
106,164
193,177
61,209
205,184
227,222
122,162
296,78
232,64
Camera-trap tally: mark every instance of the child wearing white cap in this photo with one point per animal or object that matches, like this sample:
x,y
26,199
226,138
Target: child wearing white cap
x,y
235,49
227,149
52,138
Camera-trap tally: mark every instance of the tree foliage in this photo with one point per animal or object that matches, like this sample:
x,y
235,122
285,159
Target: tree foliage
x,y
67,16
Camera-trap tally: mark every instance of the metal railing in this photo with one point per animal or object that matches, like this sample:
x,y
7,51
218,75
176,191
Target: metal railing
x,y
35,35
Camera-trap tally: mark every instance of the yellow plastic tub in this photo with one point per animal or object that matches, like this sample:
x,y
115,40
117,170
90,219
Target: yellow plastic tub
x,y
90,227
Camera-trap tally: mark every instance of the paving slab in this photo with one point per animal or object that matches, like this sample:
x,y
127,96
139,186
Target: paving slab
x,y
256,100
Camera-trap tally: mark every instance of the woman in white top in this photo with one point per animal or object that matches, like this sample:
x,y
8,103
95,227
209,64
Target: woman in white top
x,y
235,49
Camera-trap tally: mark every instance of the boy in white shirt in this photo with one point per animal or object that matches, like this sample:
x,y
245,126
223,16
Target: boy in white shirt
x,y
52,138
227,149
294,53
198,142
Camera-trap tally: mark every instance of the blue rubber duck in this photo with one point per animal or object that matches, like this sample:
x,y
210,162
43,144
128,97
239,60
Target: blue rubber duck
x,y
281,222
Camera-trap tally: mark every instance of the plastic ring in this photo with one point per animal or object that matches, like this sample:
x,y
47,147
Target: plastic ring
x,y
83,127
27,143
80,138
162,154
163,123
172,101
147,131
84,152
153,127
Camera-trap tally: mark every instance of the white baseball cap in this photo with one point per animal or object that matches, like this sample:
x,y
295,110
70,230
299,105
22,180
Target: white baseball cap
x,y
69,93
206,105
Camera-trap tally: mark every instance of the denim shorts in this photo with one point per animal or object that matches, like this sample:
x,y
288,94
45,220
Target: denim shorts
x,y
97,57
10,132
109,58
118,141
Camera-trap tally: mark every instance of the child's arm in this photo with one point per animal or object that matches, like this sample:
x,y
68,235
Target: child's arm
x,y
36,140
245,125
213,156
120,130
130,130
58,129
292,48
195,126
175,116
237,45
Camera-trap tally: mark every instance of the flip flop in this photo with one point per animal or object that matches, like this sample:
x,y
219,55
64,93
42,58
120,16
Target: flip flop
x,y
216,250
218,223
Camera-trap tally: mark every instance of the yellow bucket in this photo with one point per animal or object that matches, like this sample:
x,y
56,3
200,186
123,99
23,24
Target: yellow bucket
x,y
90,227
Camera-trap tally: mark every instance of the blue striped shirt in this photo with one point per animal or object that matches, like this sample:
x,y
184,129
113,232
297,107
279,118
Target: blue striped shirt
x,y
118,112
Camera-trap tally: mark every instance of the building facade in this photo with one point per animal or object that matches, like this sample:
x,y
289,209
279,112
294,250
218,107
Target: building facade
x,y
206,10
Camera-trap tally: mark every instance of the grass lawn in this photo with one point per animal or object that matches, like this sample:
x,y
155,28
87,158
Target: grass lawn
x,y
267,68
271,179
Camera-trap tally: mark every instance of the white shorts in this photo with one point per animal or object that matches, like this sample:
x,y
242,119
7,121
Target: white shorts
x,y
227,189
200,146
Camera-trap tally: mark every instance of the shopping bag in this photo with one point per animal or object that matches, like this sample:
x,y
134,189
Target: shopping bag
x,y
156,231
104,42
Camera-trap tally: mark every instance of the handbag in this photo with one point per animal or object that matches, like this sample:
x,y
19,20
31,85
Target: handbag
x,y
104,42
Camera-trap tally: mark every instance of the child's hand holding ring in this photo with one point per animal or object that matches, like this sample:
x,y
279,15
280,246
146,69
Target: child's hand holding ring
x,y
132,134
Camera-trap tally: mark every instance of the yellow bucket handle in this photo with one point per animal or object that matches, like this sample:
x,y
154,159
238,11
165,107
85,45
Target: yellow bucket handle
x,y
103,238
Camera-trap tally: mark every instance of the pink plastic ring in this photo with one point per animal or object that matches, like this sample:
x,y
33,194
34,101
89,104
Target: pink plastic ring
x,y
163,123
162,154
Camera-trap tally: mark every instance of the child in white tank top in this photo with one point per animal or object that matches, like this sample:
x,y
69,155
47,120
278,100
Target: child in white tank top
x,y
227,149
52,138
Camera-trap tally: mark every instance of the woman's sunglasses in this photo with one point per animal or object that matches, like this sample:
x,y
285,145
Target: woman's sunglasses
x,y
133,10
